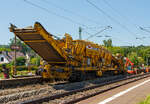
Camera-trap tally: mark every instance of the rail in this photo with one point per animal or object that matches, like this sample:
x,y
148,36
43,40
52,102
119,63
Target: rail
x,y
58,96
7,83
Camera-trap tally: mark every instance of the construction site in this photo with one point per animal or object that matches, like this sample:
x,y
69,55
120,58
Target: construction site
x,y
86,64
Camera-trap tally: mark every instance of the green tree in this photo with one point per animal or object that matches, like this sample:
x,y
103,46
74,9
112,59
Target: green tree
x,y
35,61
4,48
115,50
24,47
141,60
133,58
20,61
107,43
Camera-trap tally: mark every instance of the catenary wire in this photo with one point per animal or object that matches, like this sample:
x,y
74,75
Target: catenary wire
x,y
70,11
121,15
51,12
111,18
66,18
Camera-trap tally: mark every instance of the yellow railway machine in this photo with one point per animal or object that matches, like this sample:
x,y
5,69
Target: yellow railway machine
x,y
66,58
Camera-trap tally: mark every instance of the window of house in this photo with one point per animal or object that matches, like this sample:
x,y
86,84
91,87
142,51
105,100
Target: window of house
x,y
2,59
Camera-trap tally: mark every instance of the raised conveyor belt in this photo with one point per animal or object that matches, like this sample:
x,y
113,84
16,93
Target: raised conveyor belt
x,y
41,42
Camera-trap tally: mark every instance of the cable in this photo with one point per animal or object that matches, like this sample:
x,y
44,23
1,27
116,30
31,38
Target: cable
x,y
69,11
109,5
109,37
76,14
51,12
122,41
111,18
142,28
87,32
95,28
66,18
131,22
108,27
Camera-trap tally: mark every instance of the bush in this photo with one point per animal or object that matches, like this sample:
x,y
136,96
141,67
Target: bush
x,y
19,68
35,61
7,66
22,68
19,61
146,101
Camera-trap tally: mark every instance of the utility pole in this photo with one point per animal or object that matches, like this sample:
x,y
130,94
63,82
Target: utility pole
x,y
80,31
15,58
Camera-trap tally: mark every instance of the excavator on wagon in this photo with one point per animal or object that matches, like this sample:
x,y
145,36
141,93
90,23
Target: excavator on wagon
x,y
74,60
130,66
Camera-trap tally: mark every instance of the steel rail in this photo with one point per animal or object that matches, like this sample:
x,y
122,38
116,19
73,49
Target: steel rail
x,y
102,91
57,96
20,81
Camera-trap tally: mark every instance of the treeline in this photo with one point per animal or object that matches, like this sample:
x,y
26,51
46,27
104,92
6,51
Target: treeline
x,y
137,54
34,59
5,48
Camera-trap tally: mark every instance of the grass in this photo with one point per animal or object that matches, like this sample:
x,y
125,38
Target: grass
x,y
24,72
146,101
1,76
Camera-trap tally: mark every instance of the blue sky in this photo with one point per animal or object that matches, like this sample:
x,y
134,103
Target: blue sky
x,y
129,15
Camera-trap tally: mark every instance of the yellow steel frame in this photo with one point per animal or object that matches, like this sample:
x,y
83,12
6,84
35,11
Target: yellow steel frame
x,y
76,53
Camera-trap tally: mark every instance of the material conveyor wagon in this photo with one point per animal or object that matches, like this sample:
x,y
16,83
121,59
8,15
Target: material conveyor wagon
x,y
67,58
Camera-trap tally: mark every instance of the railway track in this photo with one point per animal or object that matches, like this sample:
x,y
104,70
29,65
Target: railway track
x,y
77,95
22,93
19,81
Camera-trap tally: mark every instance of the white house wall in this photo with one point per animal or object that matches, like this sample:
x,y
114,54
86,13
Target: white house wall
x,y
5,59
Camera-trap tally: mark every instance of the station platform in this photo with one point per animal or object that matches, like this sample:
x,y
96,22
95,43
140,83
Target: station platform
x,y
131,93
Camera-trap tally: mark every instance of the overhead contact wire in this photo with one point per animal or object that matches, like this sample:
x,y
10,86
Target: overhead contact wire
x,y
71,12
122,16
51,12
111,18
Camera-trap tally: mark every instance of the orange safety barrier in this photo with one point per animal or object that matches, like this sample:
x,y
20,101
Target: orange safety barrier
x,y
130,71
147,70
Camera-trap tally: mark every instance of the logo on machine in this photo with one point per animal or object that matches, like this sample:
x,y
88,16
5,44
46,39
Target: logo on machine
x,y
90,47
